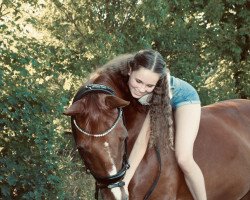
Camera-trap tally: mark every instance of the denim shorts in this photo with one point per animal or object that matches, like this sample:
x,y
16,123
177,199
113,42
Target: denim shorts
x,y
182,93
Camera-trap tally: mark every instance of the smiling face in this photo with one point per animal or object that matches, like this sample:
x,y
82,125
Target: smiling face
x,y
142,82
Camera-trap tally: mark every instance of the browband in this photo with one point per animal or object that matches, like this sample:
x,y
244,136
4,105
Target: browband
x,y
92,88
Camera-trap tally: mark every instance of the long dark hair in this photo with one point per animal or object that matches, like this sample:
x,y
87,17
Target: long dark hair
x,y
161,119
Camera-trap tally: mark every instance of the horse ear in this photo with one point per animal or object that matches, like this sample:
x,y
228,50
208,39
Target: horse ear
x,y
75,108
115,102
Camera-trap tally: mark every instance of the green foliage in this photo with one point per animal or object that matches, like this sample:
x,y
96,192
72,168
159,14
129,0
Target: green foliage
x,y
32,81
203,42
194,37
28,161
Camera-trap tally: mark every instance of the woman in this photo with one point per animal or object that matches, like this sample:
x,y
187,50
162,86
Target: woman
x,y
150,83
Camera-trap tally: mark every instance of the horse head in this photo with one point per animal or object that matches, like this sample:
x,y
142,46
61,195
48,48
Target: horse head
x,y
100,136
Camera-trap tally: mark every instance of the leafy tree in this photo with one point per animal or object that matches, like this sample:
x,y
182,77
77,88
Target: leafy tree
x,y
36,160
228,28
200,40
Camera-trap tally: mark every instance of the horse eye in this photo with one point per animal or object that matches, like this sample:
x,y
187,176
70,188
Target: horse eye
x,y
81,149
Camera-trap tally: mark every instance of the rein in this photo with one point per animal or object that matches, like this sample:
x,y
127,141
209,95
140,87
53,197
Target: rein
x,y
151,189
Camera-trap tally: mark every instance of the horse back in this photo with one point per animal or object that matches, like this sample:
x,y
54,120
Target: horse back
x,y
227,119
222,148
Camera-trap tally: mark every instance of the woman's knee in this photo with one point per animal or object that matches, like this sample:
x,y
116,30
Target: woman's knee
x,y
185,161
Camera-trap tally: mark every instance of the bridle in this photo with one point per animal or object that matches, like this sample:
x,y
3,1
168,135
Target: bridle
x,y
113,181
109,181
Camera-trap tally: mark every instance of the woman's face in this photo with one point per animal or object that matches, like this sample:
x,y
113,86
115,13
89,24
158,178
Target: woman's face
x,y
142,82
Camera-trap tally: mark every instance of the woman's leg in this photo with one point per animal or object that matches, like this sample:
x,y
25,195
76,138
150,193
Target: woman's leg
x,y
187,120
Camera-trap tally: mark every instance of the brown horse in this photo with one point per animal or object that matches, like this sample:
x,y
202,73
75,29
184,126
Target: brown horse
x,y
222,147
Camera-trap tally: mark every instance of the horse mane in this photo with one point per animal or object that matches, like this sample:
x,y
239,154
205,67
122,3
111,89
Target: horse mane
x,y
96,117
114,72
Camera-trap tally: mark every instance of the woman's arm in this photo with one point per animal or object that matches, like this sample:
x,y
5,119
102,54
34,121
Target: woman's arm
x,y
138,150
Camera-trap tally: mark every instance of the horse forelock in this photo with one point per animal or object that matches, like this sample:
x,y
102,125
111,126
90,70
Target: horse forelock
x,y
96,116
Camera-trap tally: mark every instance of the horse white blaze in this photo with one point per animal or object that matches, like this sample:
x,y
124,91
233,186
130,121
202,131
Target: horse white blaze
x,y
116,191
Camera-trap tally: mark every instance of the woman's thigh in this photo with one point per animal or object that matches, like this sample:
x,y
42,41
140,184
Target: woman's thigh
x,y
187,120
